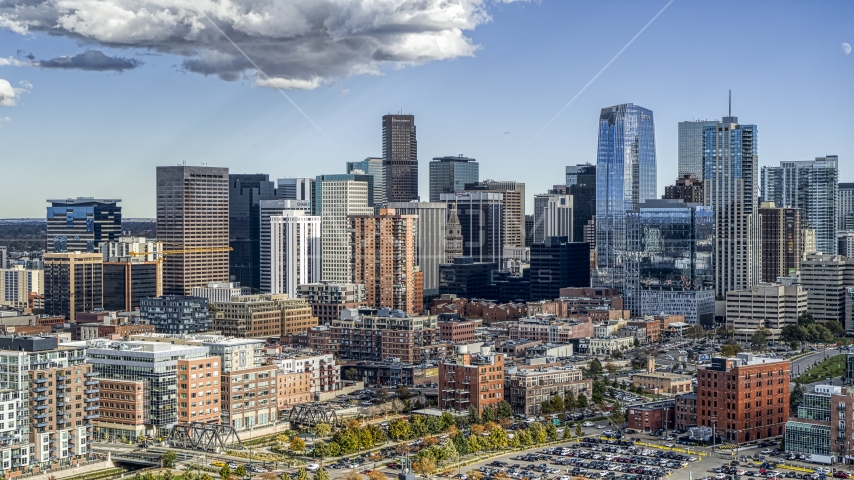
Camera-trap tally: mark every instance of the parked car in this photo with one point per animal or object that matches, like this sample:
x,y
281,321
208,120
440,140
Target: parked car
x,y
312,467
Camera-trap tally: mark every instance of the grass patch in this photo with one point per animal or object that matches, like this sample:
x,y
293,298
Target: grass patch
x,y
832,367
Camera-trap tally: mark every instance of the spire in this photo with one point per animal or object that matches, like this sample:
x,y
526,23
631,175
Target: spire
x,y
730,103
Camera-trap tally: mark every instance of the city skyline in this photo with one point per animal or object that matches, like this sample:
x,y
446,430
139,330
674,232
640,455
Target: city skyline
x,y
125,124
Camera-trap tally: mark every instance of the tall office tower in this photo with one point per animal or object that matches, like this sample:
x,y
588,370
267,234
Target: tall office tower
x,y
781,241
481,217
845,243
371,166
384,260
529,230
317,188
691,147
128,281
294,251
687,188
339,199
844,207
73,283
451,174
730,185
553,217
192,215
400,158
557,263
81,224
268,209
625,177
295,188
245,193
670,269
430,239
810,186
16,284
514,208
453,236
581,184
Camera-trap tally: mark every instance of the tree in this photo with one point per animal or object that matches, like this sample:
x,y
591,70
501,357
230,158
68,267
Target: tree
x,y
582,400
505,410
403,393
488,415
557,403
730,349
240,471
569,401
376,475
224,472
578,432
694,331
351,374
759,339
617,414
399,429
567,433
636,343
382,394
818,333
595,367
546,407
835,328
425,466
302,474
794,333
352,475
322,429
449,451
461,444
796,397
446,421
166,475
297,445
805,319
205,476
477,429
551,432
525,437
473,417
538,433
397,406
169,459
617,354
321,474
498,438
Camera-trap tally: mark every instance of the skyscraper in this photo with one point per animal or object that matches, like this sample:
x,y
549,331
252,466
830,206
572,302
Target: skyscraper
x,y
451,174
430,238
317,187
294,251
295,188
670,262
339,199
731,187
810,186
557,263
81,224
384,260
553,217
371,166
192,215
400,158
691,147
781,241
453,236
625,177
73,283
513,197
481,218
268,209
687,188
244,196
581,184
845,207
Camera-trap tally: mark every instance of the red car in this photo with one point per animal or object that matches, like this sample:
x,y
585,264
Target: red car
x,y
840,474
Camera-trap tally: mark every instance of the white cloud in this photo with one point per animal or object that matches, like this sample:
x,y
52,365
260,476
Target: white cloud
x,y
300,44
8,94
26,84
10,61
4,120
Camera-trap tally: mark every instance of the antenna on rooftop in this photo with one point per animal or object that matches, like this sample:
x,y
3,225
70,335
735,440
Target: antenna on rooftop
x,y
730,102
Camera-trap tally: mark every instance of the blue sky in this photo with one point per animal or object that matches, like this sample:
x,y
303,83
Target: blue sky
x,y
88,133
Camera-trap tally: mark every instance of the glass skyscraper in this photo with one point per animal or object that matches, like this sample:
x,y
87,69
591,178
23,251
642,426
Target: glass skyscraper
x,y
691,147
731,187
82,224
811,186
581,184
671,245
371,166
451,174
245,192
625,177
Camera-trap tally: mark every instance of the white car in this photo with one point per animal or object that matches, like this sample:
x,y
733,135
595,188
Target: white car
x,y
587,424
312,467
600,426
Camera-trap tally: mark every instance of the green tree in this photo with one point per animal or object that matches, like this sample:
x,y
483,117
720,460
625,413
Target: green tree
x,y
805,319
505,410
297,445
818,333
567,433
794,333
551,432
322,430
557,403
498,438
569,401
446,420
582,400
546,407
595,367
240,471
617,354
488,415
169,459
321,474
449,451
403,393
636,343
224,472
578,432
351,374
166,475
399,429
618,416
730,349
381,394
205,476
525,437
759,339
695,332
473,416
461,444
538,433
796,397
835,328
302,474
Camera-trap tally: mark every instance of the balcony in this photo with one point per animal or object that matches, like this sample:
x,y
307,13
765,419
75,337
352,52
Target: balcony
x,y
91,408
40,416
40,361
89,383
40,380
61,404
42,398
91,391
92,416
40,389
62,421
62,377
92,374
63,395
40,407
40,425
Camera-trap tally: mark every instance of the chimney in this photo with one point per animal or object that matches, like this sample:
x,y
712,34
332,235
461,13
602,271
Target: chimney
x,y
650,365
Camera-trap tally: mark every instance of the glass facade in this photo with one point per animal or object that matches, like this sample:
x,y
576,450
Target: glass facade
x,y
730,176
244,233
581,184
374,167
625,177
691,147
812,187
808,438
815,406
481,217
140,277
451,174
176,315
671,245
82,224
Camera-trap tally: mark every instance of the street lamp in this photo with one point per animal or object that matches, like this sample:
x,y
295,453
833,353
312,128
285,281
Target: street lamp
x,y
714,432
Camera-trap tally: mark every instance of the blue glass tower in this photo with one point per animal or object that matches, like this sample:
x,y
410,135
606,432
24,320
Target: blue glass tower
x,y
625,177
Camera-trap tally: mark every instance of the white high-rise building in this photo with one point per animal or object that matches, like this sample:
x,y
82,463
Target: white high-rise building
x,y
268,209
17,283
557,218
340,198
294,251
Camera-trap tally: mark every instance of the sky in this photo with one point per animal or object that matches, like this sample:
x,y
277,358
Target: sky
x,y
94,94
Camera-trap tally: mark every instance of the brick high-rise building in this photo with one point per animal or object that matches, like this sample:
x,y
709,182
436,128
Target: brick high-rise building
x,y
781,241
687,188
400,158
192,215
384,260
471,380
744,398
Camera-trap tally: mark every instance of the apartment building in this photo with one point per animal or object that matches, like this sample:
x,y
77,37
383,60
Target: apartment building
x,y
471,380
263,316
327,300
551,330
199,390
324,373
17,283
527,387
456,329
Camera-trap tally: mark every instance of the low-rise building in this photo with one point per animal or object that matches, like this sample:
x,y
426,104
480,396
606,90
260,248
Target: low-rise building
x,y
294,388
471,379
386,374
651,416
686,411
263,316
221,291
327,299
661,382
607,346
456,329
527,388
772,306
324,372
176,314
515,348
651,327
551,330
